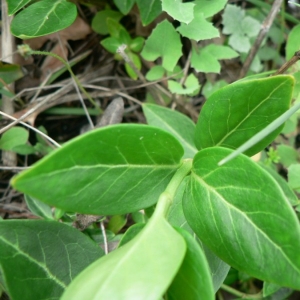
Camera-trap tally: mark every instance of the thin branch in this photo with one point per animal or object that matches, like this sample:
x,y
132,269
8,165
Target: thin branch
x,y
264,30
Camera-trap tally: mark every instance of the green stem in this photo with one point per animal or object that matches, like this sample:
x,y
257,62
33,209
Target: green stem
x,y
35,52
166,198
240,294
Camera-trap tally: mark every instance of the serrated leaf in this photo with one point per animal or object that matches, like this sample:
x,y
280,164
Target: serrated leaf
x,y
122,267
177,124
149,10
240,35
46,255
94,173
210,8
13,137
169,50
49,16
38,208
182,12
15,5
193,280
239,219
191,86
124,6
206,59
235,113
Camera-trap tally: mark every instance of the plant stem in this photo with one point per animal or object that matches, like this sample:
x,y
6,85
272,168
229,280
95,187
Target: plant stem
x,y
240,294
35,52
166,198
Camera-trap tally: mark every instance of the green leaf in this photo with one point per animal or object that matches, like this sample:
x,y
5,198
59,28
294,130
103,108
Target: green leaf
x,y
13,137
275,292
149,10
112,170
99,23
39,208
293,42
137,44
235,113
289,194
191,86
49,16
218,268
288,155
211,87
169,50
124,6
239,211
10,73
116,30
240,27
129,268
131,233
182,12
210,8
294,176
46,255
15,5
177,124
155,73
111,44
206,59
136,61
193,280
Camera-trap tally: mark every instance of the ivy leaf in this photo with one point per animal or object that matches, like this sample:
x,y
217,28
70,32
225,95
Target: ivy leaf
x,y
206,59
182,12
124,6
46,255
49,16
237,217
235,113
174,122
149,10
240,27
126,163
199,28
169,50
191,86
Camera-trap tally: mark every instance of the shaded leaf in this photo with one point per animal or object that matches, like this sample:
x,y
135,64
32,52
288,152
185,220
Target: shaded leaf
x,y
190,87
46,255
235,113
15,5
210,8
39,208
294,176
112,170
177,124
155,73
49,16
13,137
149,10
182,12
10,73
239,219
124,5
169,50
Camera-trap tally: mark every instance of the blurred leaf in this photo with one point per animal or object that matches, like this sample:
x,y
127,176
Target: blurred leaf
x,y
124,6
99,24
191,86
13,137
210,8
10,73
117,31
116,223
136,61
137,44
169,50
127,163
294,176
235,113
155,73
46,255
15,5
288,155
149,10
49,16
39,208
236,210
182,12
211,87
293,42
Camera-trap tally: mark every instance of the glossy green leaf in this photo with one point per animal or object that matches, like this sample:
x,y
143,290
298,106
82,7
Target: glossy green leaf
x,y
149,10
177,124
239,35
99,24
182,12
235,113
169,50
290,195
39,208
141,269
239,211
199,28
124,6
206,59
112,170
49,16
193,280
40,258
10,73
15,5
218,268
13,137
